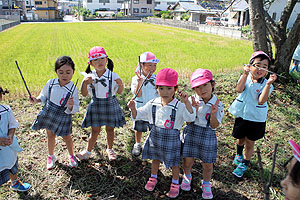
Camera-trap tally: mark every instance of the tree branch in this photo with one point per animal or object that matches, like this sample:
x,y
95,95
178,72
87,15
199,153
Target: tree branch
x,y
261,168
287,11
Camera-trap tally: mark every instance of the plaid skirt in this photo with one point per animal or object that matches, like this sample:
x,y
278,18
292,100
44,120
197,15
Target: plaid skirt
x,y
140,125
54,118
104,111
199,142
4,175
164,145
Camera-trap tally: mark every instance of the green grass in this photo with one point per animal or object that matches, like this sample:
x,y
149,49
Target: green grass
x,y
36,47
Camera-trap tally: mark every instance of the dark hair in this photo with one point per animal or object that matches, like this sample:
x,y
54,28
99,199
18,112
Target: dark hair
x,y
295,173
63,60
261,57
110,66
3,91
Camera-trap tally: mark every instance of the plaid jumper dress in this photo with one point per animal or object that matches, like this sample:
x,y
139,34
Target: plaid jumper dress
x,y
53,117
199,142
163,144
104,111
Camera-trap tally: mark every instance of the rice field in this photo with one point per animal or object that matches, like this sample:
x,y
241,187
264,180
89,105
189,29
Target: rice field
x,y
36,47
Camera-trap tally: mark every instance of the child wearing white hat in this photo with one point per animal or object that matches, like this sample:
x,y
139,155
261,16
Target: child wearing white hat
x,y
144,73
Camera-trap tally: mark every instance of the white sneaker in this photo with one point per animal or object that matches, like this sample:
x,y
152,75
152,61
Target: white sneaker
x,y
51,162
84,155
111,154
73,162
137,149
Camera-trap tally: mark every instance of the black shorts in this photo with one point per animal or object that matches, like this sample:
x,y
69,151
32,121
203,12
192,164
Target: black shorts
x,y
252,130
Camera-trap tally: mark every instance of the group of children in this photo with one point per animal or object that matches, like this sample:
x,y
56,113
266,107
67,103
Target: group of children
x,y
153,107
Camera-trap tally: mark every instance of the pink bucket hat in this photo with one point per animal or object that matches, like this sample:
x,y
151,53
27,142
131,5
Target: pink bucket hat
x,y
257,53
166,77
146,57
200,77
97,52
296,149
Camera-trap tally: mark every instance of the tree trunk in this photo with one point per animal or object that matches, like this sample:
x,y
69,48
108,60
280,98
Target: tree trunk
x,y
258,25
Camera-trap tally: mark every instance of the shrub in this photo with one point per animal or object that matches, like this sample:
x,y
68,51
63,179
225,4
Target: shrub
x,y
166,14
185,16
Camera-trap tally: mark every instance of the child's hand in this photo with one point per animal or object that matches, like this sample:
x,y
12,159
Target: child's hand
x,y
70,102
184,96
33,100
247,69
194,103
214,108
272,78
131,104
88,80
5,142
119,81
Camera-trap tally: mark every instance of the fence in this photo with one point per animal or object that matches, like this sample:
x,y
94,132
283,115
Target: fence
x,y
218,30
7,21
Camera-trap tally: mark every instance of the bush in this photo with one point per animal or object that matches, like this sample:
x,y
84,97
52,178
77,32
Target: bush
x,y
166,14
120,14
185,17
246,32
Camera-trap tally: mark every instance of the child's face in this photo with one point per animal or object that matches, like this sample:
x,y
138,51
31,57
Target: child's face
x,y
291,191
166,93
99,63
205,91
148,67
65,74
259,73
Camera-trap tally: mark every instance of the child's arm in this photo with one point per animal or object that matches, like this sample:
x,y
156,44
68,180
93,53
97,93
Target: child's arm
x,y
34,100
8,141
85,82
241,84
213,115
131,106
121,86
186,101
263,97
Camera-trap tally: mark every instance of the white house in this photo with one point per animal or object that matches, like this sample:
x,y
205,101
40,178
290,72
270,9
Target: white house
x,y
95,5
162,5
277,7
138,8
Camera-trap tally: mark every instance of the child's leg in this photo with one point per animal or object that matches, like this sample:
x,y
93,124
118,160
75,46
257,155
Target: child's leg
x,y
93,138
51,141
207,171
175,174
249,149
187,165
153,179
69,143
13,177
155,167
138,136
110,136
174,189
17,185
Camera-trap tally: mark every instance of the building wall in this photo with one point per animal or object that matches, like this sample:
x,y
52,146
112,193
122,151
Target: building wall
x,y
46,9
138,8
92,5
276,9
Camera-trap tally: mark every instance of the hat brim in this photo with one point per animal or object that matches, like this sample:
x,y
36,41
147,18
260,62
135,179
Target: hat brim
x,y
198,83
296,149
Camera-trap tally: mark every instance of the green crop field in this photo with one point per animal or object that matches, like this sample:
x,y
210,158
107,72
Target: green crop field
x,y
36,47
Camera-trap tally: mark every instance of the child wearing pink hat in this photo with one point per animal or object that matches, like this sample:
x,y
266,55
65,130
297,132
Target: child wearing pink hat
x,y
199,137
144,70
291,184
166,115
250,108
104,110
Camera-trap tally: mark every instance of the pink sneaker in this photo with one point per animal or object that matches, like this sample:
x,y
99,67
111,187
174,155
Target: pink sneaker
x,y
186,183
206,188
73,162
174,191
84,155
51,162
151,184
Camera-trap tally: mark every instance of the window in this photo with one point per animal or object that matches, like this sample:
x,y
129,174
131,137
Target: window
x,y
46,13
136,1
150,10
274,15
149,1
136,10
171,3
103,1
157,3
143,10
90,1
120,1
27,2
38,3
45,2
